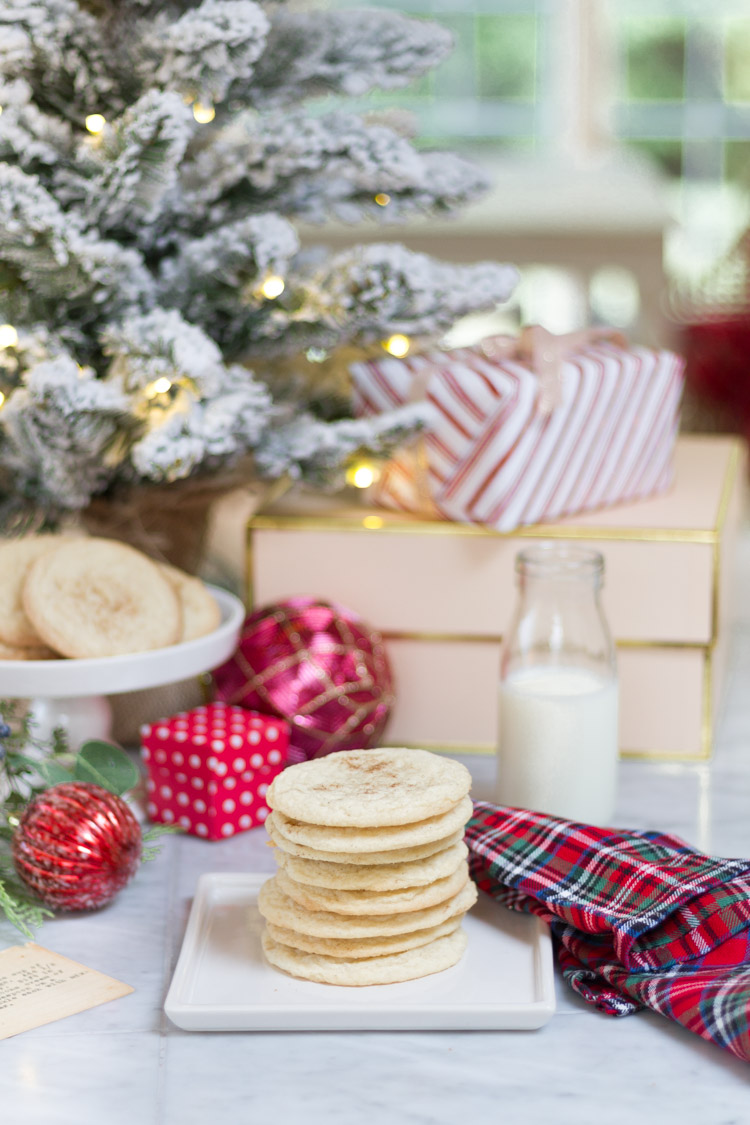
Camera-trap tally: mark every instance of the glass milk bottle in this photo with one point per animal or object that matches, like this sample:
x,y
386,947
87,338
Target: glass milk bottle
x,y
557,743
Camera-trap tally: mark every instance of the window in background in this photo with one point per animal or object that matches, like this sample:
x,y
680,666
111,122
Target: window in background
x,y
683,98
681,89
684,91
674,85
491,90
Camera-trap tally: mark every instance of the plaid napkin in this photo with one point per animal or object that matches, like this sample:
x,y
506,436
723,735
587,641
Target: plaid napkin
x,y
639,918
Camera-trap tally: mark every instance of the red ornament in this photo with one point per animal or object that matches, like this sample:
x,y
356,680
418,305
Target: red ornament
x,y
76,846
716,351
319,667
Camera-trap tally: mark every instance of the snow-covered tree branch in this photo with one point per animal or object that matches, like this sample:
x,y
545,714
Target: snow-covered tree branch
x,y
154,158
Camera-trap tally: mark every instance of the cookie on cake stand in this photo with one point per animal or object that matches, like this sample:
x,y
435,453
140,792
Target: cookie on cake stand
x,y
71,693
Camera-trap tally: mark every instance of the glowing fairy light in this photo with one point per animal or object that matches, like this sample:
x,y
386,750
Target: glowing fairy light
x,y
8,336
361,474
95,123
397,345
203,112
273,287
159,386
382,199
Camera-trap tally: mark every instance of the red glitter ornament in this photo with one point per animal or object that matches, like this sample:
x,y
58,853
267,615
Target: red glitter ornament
x,y
76,846
318,666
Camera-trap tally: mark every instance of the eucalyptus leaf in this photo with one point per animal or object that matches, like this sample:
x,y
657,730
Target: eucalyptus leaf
x,y
22,762
106,765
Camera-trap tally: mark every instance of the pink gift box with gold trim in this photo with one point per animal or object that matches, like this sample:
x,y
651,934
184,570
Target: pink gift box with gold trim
x,y
441,594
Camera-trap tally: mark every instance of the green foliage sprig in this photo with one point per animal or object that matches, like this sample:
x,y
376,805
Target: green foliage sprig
x,y
28,766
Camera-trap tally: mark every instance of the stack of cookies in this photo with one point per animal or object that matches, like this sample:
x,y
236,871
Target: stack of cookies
x,y
87,597
373,878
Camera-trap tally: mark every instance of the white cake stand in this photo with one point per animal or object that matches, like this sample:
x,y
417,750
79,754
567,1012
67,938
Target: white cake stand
x,y
72,693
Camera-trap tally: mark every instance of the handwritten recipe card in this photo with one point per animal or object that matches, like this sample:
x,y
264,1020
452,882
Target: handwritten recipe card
x,y
38,987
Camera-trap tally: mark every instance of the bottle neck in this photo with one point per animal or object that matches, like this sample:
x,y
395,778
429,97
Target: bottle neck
x,y
564,589
559,620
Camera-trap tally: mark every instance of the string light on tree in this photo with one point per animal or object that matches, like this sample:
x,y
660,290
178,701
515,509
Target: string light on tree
x,y
382,199
203,112
158,387
95,123
273,287
397,345
362,474
8,336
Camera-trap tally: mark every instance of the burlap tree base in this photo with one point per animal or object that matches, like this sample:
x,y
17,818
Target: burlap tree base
x,y
133,709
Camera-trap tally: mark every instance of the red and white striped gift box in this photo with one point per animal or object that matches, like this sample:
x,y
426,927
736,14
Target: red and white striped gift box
x,y
496,453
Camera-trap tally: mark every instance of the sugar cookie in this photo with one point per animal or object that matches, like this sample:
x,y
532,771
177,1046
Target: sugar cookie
x,y
370,788
200,610
16,558
389,969
374,902
99,597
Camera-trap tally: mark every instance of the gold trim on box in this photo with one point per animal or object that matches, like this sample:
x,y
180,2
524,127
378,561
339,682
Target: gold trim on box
x,y
496,639
707,722
433,527
721,516
729,480
483,749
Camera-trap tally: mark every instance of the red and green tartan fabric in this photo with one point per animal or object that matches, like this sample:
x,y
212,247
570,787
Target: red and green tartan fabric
x,y
639,918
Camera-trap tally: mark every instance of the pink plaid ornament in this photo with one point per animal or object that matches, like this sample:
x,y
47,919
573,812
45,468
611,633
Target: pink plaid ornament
x,y
209,768
319,666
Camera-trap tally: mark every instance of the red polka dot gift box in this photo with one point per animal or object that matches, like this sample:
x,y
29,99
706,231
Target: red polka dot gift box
x,y
209,768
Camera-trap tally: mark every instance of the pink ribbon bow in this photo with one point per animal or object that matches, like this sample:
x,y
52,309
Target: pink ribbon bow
x,y
544,352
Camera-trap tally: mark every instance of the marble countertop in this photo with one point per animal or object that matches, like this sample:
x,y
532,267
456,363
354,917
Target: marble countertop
x,y
125,1062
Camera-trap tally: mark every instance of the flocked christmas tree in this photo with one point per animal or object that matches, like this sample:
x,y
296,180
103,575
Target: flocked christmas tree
x,y
152,159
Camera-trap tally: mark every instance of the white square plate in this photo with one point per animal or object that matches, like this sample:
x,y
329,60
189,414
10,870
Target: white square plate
x,y
223,983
